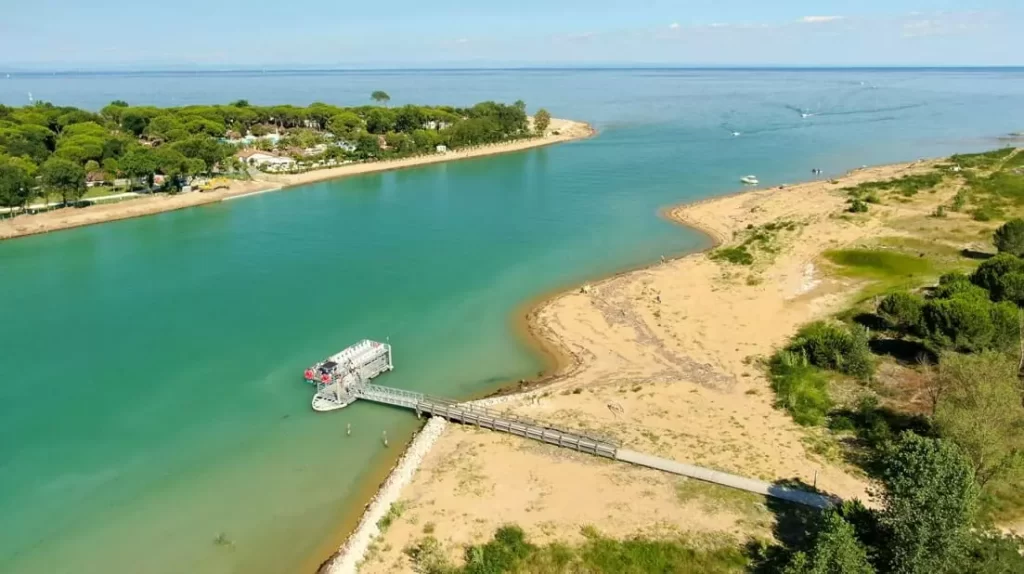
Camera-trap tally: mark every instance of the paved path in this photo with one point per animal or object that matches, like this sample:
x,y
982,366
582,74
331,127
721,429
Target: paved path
x,y
100,199
725,479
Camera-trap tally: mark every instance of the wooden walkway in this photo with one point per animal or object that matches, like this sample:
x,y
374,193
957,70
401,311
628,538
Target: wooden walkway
x,y
584,442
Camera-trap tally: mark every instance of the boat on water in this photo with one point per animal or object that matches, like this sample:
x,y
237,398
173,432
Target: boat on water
x,y
749,179
338,377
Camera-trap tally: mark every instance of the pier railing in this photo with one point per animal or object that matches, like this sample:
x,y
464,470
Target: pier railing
x,y
487,418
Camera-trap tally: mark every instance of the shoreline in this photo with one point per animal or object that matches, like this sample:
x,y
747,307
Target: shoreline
x,y
562,362
72,217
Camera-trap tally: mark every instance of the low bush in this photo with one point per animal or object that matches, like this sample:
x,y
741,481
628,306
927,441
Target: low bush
x,y
736,255
800,388
1009,238
1003,277
970,325
835,347
958,285
858,206
903,311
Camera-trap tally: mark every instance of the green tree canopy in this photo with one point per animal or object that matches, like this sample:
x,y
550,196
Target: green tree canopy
x,y
1010,237
15,183
930,497
64,177
834,550
381,97
541,121
980,409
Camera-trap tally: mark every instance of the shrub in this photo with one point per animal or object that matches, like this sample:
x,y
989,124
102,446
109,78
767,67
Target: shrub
x,y
1011,288
836,348
953,285
834,548
991,275
903,311
858,206
1010,237
959,201
799,387
736,255
1005,325
939,212
960,324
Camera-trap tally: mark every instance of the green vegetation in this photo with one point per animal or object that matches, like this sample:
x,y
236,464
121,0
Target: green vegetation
x,y
800,388
48,150
541,121
1010,237
907,186
977,405
930,498
798,372
835,347
858,206
510,551
735,255
833,548
763,239
879,264
395,512
993,184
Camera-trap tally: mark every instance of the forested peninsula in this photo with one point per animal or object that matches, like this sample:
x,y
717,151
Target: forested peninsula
x,y
57,155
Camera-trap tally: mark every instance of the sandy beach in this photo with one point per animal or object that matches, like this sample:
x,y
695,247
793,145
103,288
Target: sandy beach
x,y
664,359
559,131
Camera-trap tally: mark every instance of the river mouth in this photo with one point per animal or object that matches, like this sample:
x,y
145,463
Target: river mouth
x,y
176,430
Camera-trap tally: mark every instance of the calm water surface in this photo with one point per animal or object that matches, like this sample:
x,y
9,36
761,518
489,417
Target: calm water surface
x,y
150,370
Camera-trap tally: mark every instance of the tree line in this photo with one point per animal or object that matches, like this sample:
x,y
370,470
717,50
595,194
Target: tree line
x,y
945,474
47,149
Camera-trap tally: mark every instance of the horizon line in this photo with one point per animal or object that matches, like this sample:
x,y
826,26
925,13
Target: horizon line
x,y
249,68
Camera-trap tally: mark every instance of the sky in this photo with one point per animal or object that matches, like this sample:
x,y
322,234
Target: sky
x,y
141,34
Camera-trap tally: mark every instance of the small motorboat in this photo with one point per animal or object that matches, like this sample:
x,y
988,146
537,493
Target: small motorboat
x,y
749,179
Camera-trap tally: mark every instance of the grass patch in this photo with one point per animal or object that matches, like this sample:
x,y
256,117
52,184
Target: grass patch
x,y
510,551
986,160
907,186
800,388
735,255
879,264
1002,502
394,513
756,239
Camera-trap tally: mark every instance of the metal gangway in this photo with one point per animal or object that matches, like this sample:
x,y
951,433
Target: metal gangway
x,y
482,417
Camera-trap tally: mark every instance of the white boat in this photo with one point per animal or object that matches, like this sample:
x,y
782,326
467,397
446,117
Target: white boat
x,y
749,179
337,377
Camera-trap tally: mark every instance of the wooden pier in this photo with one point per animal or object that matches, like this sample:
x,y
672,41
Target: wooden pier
x,y
584,442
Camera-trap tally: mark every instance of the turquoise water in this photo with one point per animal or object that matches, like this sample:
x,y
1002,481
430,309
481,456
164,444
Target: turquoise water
x,y
150,369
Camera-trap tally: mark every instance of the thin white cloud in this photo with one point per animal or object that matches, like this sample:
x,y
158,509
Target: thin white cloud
x,y
819,19
674,25
462,41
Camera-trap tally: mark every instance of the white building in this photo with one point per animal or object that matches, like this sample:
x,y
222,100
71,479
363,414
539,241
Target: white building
x,y
266,160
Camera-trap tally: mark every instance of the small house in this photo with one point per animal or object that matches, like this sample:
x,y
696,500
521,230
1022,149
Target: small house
x,y
441,148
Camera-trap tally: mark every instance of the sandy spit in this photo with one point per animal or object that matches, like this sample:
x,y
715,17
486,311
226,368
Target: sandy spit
x,y
71,217
660,358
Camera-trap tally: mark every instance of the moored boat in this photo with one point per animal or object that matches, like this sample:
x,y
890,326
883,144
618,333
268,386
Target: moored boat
x,y
338,377
749,179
